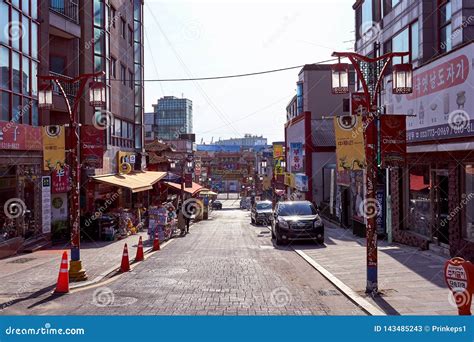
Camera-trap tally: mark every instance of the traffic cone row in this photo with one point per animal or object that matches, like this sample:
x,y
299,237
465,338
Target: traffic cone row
x,y
63,278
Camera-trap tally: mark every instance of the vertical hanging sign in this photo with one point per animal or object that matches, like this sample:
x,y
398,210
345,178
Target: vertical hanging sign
x,y
46,203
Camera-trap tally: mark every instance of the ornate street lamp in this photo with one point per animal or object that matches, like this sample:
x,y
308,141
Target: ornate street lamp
x,y
45,96
283,164
370,72
402,79
264,163
173,164
97,94
45,100
340,78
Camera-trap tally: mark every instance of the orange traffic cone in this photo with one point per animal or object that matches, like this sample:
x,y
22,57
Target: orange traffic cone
x,y
63,278
156,242
125,266
140,256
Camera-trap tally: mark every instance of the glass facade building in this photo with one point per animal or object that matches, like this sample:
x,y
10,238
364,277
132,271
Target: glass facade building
x,y
173,116
19,61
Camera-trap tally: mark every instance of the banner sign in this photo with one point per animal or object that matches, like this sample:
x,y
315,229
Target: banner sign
x,y
60,180
125,161
20,137
359,104
92,146
54,147
197,166
301,182
278,151
441,105
188,180
393,143
350,152
46,204
296,157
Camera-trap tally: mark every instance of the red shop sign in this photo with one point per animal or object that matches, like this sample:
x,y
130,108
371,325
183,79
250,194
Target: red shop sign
x,y
60,180
92,146
20,137
393,140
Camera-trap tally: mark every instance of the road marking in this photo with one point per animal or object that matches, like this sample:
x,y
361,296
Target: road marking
x,y
346,290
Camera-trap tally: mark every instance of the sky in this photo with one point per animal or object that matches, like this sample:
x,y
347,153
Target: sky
x,y
199,38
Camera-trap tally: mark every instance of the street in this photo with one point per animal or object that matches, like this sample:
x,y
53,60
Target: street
x,y
225,266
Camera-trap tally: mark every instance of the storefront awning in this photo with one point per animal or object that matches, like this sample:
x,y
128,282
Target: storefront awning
x,y
194,189
136,182
206,192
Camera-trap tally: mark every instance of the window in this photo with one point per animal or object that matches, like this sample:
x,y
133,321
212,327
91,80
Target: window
x,y
414,41
123,74
5,67
468,206
130,79
57,64
130,35
113,16
445,34
124,28
367,14
113,67
419,206
400,43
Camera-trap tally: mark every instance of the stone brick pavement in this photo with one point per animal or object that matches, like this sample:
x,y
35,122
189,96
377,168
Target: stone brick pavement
x,y
411,280
26,274
225,266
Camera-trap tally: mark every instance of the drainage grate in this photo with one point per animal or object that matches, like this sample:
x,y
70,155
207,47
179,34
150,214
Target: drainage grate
x,y
20,261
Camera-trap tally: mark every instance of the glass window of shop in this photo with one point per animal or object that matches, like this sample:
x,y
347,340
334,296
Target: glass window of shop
x,y
468,202
419,206
18,61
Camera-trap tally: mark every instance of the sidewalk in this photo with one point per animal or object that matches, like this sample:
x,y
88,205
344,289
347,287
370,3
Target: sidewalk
x,y
411,281
27,274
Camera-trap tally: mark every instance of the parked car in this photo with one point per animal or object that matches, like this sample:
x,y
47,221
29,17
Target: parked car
x,y
296,220
216,205
261,212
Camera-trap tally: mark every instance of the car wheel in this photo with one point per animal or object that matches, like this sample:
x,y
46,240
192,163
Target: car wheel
x,y
320,240
278,239
252,220
273,234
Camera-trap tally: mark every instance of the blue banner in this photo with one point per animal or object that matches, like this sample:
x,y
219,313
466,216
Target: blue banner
x,y
232,328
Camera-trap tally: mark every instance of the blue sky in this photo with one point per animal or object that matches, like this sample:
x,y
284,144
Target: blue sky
x,y
209,38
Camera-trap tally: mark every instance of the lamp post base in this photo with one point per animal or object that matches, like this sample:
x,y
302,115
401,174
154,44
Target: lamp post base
x,y
76,272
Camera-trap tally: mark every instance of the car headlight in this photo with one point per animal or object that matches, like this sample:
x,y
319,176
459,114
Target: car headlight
x,y
283,223
318,222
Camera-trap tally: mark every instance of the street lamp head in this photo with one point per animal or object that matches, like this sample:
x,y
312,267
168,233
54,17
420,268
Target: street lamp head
x,y
402,79
97,94
283,164
340,78
172,164
264,163
190,164
45,96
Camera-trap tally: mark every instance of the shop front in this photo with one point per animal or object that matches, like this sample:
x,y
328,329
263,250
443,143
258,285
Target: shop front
x,y
20,186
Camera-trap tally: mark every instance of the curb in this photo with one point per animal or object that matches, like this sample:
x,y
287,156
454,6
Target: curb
x,y
346,290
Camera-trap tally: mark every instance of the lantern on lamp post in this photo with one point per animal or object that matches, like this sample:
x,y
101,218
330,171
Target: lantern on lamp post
x,y
97,94
340,78
45,96
402,79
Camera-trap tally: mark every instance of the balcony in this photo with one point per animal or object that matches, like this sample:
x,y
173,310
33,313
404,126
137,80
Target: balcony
x,y
66,8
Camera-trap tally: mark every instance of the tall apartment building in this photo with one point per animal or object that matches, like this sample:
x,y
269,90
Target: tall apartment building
x,y
172,117
248,140
67,38
429,206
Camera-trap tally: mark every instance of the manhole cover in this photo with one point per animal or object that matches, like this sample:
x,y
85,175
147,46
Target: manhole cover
x,y
327,293
20,261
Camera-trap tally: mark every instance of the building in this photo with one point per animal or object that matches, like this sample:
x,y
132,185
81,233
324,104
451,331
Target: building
x,y
247,141
172,117
432,203
309,135
20,137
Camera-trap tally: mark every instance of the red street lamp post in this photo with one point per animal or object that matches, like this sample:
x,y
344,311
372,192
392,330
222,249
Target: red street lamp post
x,y
370,72
97,98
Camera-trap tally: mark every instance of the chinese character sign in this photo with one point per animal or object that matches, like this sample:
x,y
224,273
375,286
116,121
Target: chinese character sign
x,y
296,157
349,131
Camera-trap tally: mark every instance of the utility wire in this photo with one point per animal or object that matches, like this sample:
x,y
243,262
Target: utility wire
x,y
230,76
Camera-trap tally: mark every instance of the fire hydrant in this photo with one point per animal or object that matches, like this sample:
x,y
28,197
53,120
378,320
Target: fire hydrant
x,y
459,276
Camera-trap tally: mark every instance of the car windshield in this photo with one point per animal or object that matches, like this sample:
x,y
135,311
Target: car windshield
x,y
293,209
263,206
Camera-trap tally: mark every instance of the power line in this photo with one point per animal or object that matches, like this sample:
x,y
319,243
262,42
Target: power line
x,y
231,76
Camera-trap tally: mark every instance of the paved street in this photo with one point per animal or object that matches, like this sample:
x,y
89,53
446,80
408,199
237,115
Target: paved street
x,y
225,266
